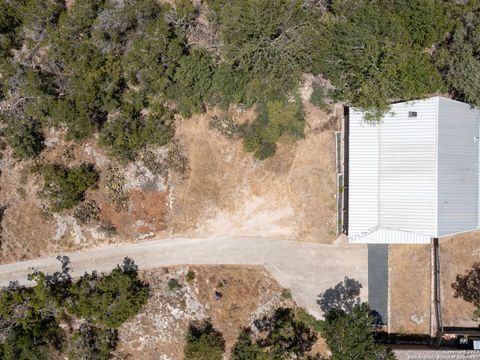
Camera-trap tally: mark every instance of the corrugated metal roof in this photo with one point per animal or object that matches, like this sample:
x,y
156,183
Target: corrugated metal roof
x,y
379,235
395,194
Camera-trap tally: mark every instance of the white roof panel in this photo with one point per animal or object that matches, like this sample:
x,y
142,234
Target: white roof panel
x,y
392,173
413,177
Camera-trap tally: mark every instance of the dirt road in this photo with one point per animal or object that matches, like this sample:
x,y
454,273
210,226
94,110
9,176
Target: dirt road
x,y
307,269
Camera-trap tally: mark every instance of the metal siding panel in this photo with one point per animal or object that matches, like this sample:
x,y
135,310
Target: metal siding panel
x,y
390,236
458,181
392,175
407,189
363,174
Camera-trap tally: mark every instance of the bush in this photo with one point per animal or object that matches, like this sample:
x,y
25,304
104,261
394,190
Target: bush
x,y
127,133
270,40
110,299
66,186
30,315
91,342
174,285
190,276
318,95
86,211
246,349
204,343
193,81
467,287
25,138
275,119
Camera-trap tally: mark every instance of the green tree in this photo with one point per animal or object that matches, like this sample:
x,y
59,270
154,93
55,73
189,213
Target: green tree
x,y
467,287
30,315
109,299
204,342
270,40
92,342
246,349
276,118
66,186
374,53
458,60
193,81
349,336
281,336
10,20
130,131
25,138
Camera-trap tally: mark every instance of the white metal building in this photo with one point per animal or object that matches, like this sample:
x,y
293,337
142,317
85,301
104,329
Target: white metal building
x,y
413,176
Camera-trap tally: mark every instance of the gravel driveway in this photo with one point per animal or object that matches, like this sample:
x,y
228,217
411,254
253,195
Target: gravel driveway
x,y
307,269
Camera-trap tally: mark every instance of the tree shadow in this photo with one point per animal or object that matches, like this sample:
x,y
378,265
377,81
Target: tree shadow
x,y
345,296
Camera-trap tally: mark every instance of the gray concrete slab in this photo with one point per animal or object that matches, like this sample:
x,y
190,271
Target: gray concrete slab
x,y
378,280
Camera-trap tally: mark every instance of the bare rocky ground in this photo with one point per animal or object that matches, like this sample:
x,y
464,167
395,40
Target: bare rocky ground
x,y
204,184
158,332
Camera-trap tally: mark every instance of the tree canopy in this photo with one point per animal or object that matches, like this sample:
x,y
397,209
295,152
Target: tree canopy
x,y
31,317
124,68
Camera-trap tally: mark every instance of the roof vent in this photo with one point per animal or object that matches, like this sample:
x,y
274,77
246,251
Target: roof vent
x,y
412,114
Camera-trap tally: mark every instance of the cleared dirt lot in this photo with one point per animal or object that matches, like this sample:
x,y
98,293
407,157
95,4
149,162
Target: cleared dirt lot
x,y
410,289
225,191
457,255
291,195
158,332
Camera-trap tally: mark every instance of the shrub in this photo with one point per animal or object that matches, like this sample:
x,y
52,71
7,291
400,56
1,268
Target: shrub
x,y
317,97
467,287
125,134
269,40
204,342
286,294
173,285
91,342
275,119
86,211
246,349
224,125
66,186
110,299
193,81
25,138
190,276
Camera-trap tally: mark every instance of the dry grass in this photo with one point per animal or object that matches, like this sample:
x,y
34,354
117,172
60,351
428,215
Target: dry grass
x,y
457,255
158,332
410,289
291,195
224,192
